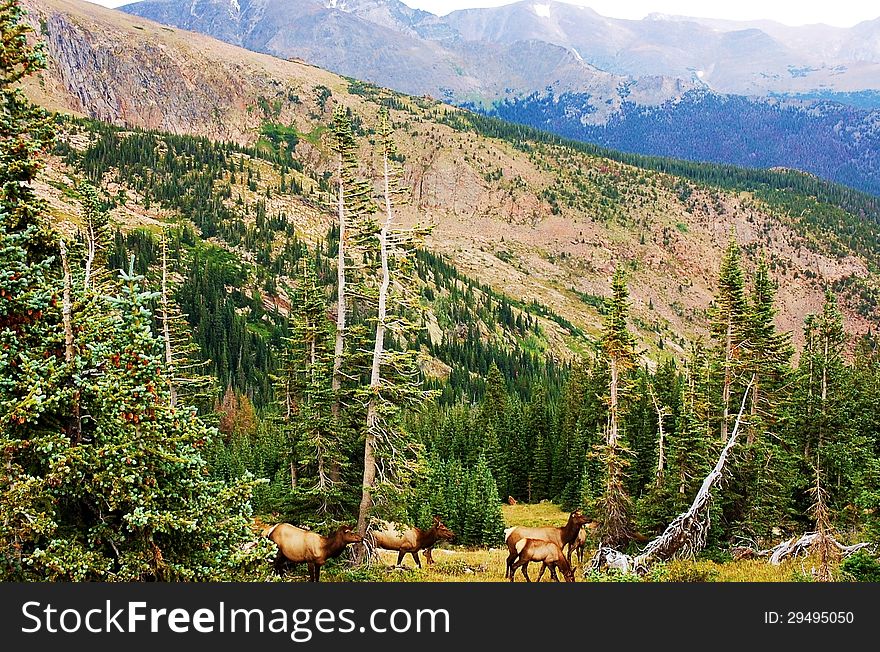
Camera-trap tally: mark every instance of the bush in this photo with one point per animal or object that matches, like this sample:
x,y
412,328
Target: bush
x,y
690,572
861,567
611,576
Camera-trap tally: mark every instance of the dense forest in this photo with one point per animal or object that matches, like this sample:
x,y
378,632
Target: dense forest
x,y
161,388
703,126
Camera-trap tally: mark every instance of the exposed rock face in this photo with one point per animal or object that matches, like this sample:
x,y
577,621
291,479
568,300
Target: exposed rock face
x,y
108,67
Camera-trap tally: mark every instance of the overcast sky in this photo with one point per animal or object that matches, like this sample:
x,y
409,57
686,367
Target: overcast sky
x,y
842,13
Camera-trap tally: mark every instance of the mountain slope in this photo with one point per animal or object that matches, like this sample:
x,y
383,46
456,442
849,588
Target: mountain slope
x,y
539,220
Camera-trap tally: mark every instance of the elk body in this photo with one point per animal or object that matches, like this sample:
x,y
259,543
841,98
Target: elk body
x,y
409,540
561,536
547,552
580,542
298,546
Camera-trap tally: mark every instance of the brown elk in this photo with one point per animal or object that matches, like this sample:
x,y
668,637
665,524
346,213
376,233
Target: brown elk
x,y
409,540
298,546
548,553
561,536
580,542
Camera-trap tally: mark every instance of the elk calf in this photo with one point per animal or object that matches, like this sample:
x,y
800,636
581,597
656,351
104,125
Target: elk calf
x,y
548,553
303,546
561,536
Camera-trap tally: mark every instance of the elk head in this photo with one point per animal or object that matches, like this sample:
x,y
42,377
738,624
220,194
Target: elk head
x,y
443,532
348,535
578,518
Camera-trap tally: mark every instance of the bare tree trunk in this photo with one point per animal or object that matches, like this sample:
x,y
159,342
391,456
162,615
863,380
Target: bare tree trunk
x,y
75,428
728,355
340,314
166,325
91,247
376,370
687,532
661,446
613,427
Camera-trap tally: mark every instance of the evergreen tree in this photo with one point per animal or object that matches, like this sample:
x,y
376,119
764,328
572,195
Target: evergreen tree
x,y
767,476
103,480
729,329
618,346
305,402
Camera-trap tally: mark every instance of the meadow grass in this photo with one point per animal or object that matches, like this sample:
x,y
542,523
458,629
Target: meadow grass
x,y
458,564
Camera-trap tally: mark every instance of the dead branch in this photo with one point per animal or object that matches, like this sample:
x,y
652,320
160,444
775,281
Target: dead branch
x,y
686,534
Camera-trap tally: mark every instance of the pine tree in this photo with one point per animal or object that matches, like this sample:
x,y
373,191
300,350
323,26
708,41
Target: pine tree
x,y
390,452
305,401
767,475
618,347
26,133
102,479
729,328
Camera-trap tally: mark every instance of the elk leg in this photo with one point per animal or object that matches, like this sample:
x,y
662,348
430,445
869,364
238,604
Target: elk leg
x,y
400,554
525,573
317,573
510,559
429,557
311,572
279,563
553,573
415,555
541,572
581,556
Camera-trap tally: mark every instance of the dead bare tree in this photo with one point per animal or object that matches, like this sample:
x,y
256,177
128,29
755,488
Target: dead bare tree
x,y
686,534
662,413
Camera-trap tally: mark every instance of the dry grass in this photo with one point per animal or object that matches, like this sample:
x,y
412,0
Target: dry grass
x,y
454,564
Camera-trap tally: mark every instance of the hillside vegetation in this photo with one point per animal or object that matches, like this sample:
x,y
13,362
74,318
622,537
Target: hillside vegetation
x,y
532,217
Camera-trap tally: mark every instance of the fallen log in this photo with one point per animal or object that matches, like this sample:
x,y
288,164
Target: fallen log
x,y
800,547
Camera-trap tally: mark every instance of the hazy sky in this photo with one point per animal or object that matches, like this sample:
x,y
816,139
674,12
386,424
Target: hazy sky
x,y
842,13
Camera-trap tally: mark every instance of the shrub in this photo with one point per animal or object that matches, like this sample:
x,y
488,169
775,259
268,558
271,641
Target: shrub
x,y
861,567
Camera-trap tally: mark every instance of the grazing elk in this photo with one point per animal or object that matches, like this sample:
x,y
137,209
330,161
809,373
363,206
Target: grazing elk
x,y
561,536
298,546
548,553
409,540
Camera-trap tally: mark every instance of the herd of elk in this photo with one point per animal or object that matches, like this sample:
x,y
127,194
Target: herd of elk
x,y
299,546
561,536
524,544
410,540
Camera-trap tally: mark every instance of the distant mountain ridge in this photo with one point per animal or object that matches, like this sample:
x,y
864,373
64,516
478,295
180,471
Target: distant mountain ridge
x,y
825,138
689,88
526,214
743,58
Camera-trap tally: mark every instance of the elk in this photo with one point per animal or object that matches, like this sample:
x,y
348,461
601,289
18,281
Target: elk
x,y
409,540
580,542
548,553
561,536
298,546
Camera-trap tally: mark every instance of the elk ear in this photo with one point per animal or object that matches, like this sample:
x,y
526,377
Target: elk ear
x,y
436,520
